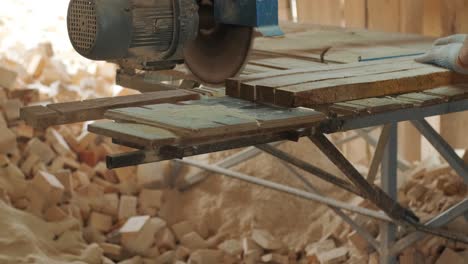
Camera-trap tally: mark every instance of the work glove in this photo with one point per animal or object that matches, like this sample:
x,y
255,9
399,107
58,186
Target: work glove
x,y
445,53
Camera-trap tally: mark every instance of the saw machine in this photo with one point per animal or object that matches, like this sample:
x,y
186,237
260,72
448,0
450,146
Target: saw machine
x,y
212,38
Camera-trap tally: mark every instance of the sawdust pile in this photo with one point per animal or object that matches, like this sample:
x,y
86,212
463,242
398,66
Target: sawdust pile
x,y
236,207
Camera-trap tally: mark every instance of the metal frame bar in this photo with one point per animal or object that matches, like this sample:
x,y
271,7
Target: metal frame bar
x,y
379,153
289,190
442,147
389,185
359,229
369,191
438,221
374,142
344,124
326,176
231,161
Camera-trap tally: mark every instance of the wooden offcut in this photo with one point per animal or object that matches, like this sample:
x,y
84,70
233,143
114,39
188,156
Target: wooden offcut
x,y
72,112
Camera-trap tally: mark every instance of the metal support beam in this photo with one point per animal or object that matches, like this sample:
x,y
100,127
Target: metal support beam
x,y
173,152
349,138
398,116
359,229
438,221
442,147
289,190
389,186
378,154
326,176
373,142
370,191
229,162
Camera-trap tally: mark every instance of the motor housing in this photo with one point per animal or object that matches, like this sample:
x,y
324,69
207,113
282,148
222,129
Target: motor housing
x,y
136,34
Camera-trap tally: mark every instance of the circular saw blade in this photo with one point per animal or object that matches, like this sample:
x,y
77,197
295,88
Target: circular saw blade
x,y
218,53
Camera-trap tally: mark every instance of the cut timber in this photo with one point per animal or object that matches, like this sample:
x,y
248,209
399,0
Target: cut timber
x,y
233,84
353,88
72,112
264,89
336,83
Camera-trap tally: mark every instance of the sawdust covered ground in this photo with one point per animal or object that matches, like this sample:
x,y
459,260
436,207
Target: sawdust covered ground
x,y
233,208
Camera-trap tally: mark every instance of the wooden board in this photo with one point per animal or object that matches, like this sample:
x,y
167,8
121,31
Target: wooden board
x,y
355,13
325,12
338,83
223,117
284,63
72,112
137,134
408,100
384,15
133,130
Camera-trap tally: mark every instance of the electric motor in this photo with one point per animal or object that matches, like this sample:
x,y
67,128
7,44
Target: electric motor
x,y
137,34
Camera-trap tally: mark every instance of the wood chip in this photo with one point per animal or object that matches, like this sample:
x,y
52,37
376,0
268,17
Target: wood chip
x,y
7,78
266,240
100,222
127,207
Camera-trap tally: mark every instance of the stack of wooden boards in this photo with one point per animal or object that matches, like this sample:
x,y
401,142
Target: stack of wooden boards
x,y
206,120
309,87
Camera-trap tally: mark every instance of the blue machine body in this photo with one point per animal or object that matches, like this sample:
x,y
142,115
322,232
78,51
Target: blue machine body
x,y
262,14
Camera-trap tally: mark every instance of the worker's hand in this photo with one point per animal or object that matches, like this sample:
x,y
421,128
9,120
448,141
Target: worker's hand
x,y
458,38
446,56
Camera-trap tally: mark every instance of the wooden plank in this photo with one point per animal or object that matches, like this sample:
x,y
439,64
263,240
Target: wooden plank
x,y
412,16
432,20
378,105
284,10
140,135
355,13
450,93
384,15
72,112
454,19
265,89
216,118
421,99
324,12
331,91
285,63
369,106
233,85
186,120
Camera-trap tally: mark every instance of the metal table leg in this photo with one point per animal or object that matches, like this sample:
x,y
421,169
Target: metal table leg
x,y
389,186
